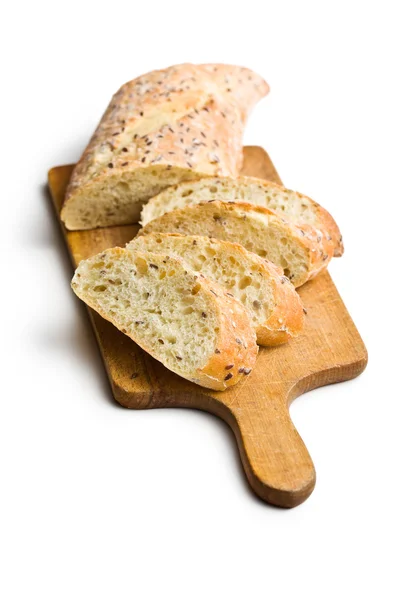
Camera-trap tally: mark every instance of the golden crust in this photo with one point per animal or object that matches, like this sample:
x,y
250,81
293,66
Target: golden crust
x,y
188,117
318,245
287,319
235,350
236,343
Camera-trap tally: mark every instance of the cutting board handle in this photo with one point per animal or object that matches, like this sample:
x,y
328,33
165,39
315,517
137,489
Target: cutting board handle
x,y
276,461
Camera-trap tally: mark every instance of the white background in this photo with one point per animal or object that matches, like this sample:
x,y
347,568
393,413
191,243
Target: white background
x,y
101,502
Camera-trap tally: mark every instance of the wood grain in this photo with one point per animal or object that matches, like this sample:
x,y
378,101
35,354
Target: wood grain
x,y
275,459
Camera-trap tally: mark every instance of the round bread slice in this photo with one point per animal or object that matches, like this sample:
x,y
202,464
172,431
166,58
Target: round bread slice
x,y
302,251
178,316
274,306
287,203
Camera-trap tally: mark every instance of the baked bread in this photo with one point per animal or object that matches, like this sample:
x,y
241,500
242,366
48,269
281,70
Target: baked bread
x,y
291,205
272,302
301,251
178,316
167,126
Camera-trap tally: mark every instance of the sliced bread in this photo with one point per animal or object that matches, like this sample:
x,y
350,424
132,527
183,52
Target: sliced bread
x,y
291,205
273,304
301,251
164,127
178,316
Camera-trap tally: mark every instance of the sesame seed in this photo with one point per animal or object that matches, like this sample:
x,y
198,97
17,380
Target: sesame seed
x,y
110,166
229,367
229,376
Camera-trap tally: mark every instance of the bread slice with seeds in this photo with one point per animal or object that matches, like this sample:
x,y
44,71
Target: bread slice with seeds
x,y
273,304
291,205
164,127
301,251
178,316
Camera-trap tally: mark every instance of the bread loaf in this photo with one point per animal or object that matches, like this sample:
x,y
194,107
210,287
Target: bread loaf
x,y
274,306
178,316
291,205
301,251
160,129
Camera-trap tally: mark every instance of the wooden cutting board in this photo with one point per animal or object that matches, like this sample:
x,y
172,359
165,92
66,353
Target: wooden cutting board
x,y
275,459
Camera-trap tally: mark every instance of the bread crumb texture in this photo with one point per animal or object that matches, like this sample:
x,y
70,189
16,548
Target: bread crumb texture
x,y
291,205
274,307
302,251
178,316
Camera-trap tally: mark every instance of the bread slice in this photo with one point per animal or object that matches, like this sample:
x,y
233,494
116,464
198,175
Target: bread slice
x,y
291,205
273,304
301,251
164,127
178,316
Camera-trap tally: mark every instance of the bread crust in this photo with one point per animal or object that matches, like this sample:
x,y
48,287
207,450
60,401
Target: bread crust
x,y
318,245
188,119
287,316
235,345
322,218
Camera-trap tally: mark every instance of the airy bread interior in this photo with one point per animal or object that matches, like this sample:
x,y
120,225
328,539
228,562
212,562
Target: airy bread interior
x,y
245,275
262,233
289,204
118,200
155,300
